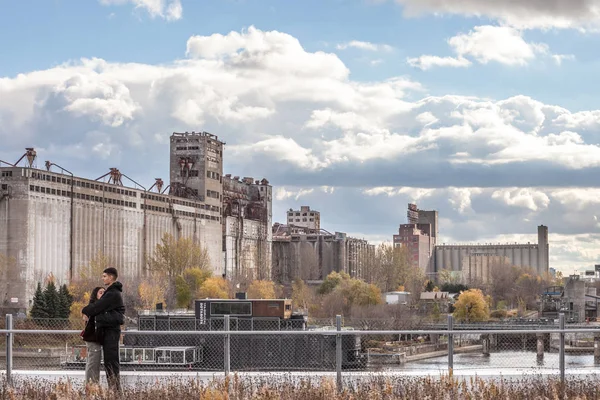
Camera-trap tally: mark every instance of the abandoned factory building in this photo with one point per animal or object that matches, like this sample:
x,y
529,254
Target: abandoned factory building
x,y
53,222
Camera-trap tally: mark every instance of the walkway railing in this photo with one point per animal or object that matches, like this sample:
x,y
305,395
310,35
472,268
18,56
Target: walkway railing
x,y
337,351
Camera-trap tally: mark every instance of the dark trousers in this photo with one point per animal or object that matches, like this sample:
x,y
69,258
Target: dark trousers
x,y
110,346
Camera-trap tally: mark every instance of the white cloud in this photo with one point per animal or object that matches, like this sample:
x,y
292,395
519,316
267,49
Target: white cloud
x,y
496,43
171,10
484,44
522,14
426,62
533,200
299,119
559,58
281,193
364,46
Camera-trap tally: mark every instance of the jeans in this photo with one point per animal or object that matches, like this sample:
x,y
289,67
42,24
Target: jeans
x,y
92,364
110,346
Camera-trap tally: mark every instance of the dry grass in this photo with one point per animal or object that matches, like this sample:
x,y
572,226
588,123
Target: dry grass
x,y
371,389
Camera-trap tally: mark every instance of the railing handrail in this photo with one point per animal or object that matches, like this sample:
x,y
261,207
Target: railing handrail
x,y
320,332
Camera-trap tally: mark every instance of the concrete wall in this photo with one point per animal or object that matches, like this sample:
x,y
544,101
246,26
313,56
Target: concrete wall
x,y
313,257
247,231
478,268
575,296
530,255
248,253
124,223
453,256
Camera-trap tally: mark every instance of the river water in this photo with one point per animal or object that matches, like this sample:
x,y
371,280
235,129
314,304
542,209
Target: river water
x,y
502,360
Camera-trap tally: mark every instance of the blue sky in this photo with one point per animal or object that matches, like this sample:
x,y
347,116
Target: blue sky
x,y
70,29
486,111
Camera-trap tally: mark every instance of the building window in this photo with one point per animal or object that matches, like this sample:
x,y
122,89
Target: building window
x,y
6,173
193,172
4,186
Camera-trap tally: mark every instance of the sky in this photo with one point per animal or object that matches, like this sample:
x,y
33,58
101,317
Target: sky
x,y
487,111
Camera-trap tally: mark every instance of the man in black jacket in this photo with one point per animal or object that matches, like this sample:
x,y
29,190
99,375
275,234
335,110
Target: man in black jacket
x,y
109,313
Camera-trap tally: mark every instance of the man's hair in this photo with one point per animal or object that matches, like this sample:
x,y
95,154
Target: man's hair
x,y
111,271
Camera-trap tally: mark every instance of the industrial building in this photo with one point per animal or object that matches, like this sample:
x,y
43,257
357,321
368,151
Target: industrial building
x,y
419,237
311,255
52,221
247,234
528,255
304,218
577,299
471,261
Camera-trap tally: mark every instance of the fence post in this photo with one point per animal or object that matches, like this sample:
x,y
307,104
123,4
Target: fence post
x,y
9,348
338,352
227,361
561,349
450,345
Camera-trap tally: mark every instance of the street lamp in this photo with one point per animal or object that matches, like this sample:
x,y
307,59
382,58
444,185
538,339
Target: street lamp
x,y
48,166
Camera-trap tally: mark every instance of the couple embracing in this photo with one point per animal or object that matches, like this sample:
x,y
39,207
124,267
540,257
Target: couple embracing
x,y
104,316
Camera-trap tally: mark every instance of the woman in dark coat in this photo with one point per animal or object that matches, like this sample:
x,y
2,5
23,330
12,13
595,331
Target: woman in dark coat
x,y
94,345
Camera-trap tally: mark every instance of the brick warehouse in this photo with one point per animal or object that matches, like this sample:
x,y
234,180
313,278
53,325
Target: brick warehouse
x,y
54,222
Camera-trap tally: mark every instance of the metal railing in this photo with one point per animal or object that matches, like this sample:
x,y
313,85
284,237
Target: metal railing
x,y
339,350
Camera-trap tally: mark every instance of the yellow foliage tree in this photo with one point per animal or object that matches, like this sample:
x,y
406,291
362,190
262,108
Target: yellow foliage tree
x,y
77,306
302,295
214,288
361,293
187,285
172,257
471,306
88,277
151,292
261,290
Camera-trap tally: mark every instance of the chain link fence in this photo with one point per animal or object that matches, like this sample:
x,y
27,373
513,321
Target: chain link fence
x,y
338,346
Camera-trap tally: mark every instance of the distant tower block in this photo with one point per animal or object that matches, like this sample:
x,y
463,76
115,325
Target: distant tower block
x,y
543,250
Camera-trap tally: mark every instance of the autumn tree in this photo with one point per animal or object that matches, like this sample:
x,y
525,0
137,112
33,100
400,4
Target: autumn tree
x,y
331,281
447,276
214,288
151,292
360,293
261,290
340,293
173,256
471,306
183,266
187,285
87,277
528,286
302,295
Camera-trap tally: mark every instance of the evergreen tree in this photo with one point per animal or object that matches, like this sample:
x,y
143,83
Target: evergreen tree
x,y
52,300
430,286
38,310
65,302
